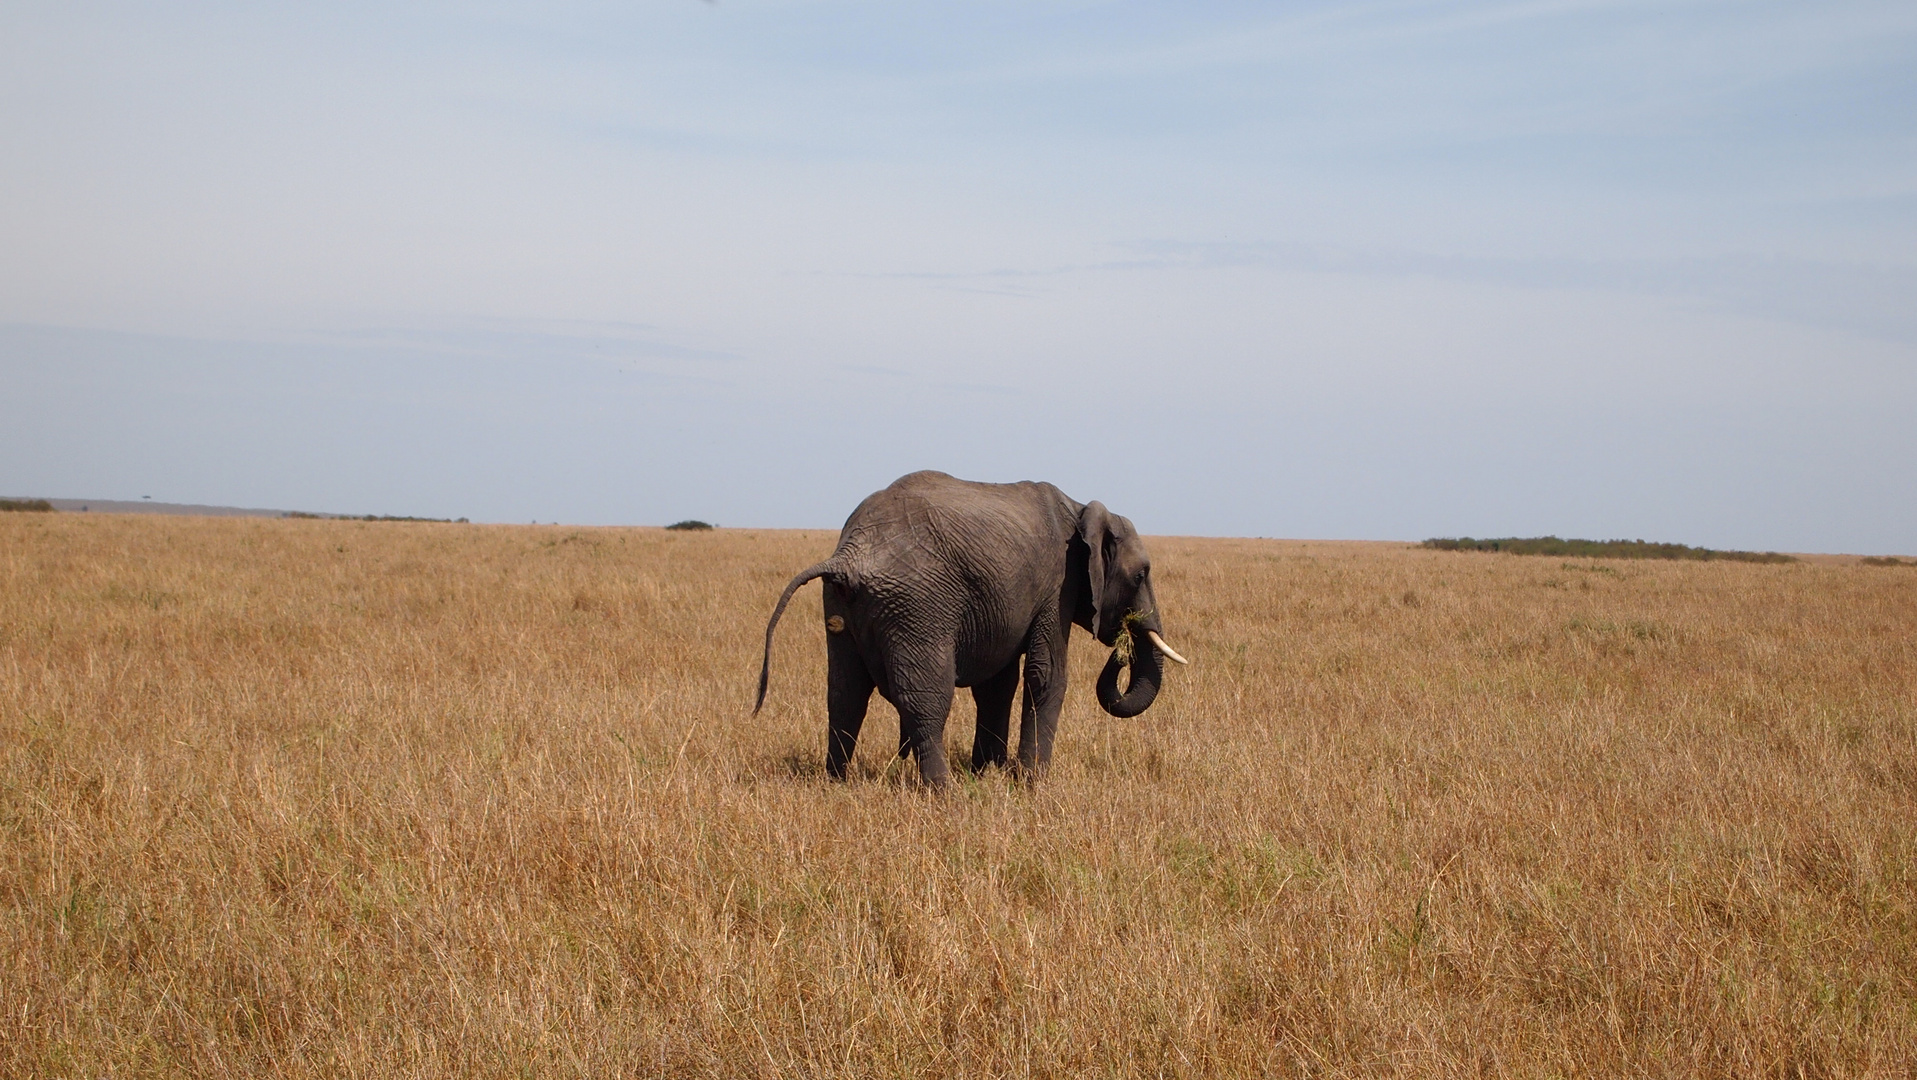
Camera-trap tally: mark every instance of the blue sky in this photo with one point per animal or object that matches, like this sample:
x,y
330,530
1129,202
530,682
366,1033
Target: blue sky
x,y
1359,270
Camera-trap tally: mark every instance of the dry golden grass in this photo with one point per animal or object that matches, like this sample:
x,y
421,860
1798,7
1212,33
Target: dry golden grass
x,y
352,799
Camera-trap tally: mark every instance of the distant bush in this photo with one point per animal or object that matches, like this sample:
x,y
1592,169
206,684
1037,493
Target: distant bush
x,y
690,525
1887,560
1601,549
36,506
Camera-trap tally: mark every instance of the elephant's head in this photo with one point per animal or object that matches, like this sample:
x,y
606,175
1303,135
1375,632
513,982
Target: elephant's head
x,y
1118,599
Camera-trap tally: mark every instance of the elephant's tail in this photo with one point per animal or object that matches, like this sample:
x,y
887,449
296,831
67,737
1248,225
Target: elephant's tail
x,y
829,567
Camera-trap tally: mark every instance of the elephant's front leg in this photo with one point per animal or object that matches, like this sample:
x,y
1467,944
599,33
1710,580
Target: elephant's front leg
x,y
1044,695
994,700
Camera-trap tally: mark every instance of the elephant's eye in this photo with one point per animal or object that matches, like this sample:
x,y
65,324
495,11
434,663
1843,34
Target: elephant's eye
x,y
1139,578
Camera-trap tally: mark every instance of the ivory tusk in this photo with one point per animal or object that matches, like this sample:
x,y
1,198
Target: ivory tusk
x,y
1170,653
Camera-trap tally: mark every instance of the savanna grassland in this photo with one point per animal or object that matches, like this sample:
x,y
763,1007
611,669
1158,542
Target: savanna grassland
x,y
380,799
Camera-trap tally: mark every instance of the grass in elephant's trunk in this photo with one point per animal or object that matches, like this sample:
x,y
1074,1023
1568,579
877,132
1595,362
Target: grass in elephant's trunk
x,y
1147,673
336,798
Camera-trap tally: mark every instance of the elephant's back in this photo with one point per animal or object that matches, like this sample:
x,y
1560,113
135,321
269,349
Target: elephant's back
x,y
937,516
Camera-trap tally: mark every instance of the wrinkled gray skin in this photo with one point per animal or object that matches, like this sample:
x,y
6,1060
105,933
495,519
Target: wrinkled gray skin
x,y
940,583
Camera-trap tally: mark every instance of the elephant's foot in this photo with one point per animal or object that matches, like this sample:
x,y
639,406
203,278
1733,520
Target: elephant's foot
x,y
934,769
984,761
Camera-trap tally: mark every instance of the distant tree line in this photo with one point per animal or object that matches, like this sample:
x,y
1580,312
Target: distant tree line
x,y
1600,549
35,506
373,517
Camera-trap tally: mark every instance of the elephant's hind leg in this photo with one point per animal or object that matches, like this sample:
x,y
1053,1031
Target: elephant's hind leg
x,y
923,711
994,700
848,693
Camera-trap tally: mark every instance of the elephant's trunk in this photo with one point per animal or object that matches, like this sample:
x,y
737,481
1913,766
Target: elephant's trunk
x,y
1140,689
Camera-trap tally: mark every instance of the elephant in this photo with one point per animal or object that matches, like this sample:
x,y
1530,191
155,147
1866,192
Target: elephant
x,y
939,583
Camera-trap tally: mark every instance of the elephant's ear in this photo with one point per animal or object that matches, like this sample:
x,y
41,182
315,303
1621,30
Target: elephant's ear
x,y
1095,528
